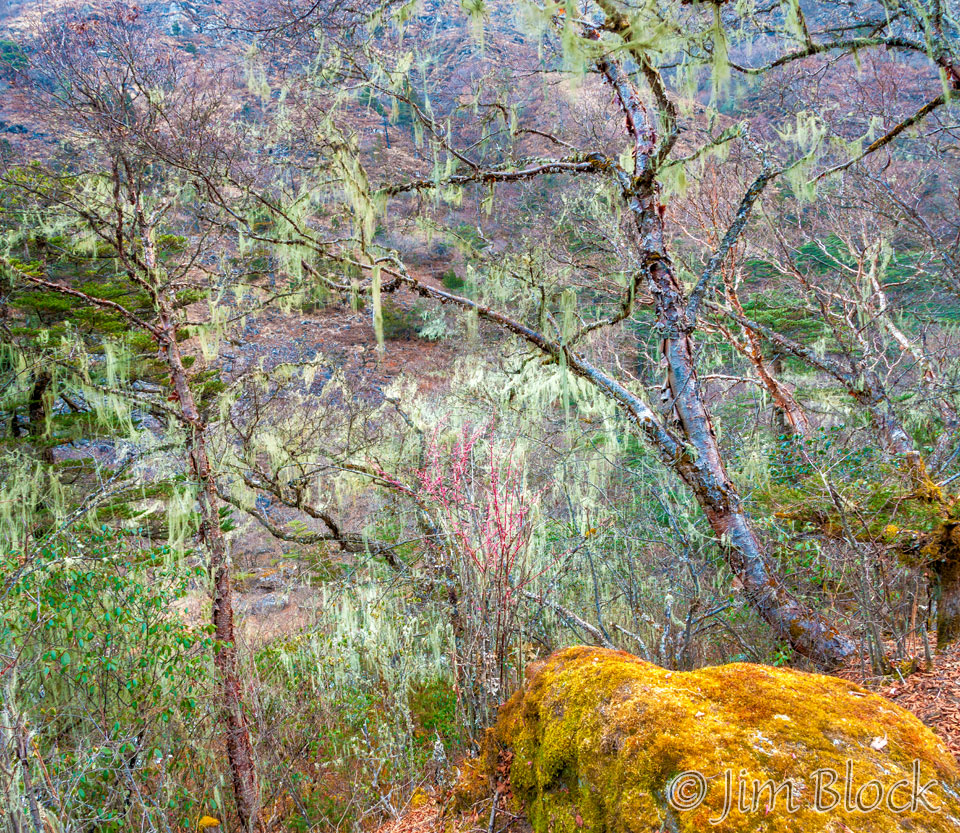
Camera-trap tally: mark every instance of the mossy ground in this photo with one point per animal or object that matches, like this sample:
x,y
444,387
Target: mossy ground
x,y
597,737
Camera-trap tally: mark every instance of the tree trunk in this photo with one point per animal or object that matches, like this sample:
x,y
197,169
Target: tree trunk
x,y
243,769
789,416
947,570
37,411
704,472
948,607
943,545
700,463
36,408
873,396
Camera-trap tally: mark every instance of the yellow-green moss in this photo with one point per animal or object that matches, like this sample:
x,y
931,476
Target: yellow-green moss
x,y
597,737
474,779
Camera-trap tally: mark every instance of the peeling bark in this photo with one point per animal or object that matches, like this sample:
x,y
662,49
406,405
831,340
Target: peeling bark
x,y
703,470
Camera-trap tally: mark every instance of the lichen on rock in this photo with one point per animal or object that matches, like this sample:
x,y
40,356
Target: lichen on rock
x,y
599,740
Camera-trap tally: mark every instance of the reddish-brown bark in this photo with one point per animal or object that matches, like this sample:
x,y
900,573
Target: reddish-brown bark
x,y
243,770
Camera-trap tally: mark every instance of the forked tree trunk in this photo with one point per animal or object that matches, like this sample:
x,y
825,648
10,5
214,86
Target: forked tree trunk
x,y
700,464
703,470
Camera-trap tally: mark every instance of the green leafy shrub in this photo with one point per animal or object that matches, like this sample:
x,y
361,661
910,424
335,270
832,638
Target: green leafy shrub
x,y
452,281
433,708
111,686
12,56
400,323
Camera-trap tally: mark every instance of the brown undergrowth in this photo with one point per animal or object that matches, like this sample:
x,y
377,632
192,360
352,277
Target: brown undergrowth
x,y
933,694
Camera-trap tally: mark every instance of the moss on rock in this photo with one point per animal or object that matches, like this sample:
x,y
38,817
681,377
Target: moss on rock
x,y
596,741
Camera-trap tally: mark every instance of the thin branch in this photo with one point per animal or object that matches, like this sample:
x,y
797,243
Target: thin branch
x,y
595,163
819,48
888,137
823,364
572,617
729,239
349,542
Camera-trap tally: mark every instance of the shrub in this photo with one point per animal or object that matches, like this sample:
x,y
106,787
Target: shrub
x,y
111,687
400,323
12,56
452,281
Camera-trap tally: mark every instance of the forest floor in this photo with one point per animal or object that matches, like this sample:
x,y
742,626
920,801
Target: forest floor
x,y
428,817
933,696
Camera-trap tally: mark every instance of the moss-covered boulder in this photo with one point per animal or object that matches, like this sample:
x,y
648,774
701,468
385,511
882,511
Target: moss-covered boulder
x,y
599,740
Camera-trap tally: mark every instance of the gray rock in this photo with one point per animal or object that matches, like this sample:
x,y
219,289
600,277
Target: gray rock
x,y
270,603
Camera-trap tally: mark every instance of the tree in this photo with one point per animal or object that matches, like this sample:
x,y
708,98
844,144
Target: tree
x,y
848,277
612,43
110,196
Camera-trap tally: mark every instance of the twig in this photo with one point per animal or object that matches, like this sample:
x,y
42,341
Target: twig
x,y
493,810
598,637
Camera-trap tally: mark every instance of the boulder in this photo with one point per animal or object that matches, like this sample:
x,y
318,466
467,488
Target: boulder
x,y
599,740
269,603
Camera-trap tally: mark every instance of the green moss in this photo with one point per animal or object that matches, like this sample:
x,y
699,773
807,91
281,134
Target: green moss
x,y
210,390
596,737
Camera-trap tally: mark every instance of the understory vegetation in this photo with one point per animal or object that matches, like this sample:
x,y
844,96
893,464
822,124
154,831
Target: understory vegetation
x,y
355,358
